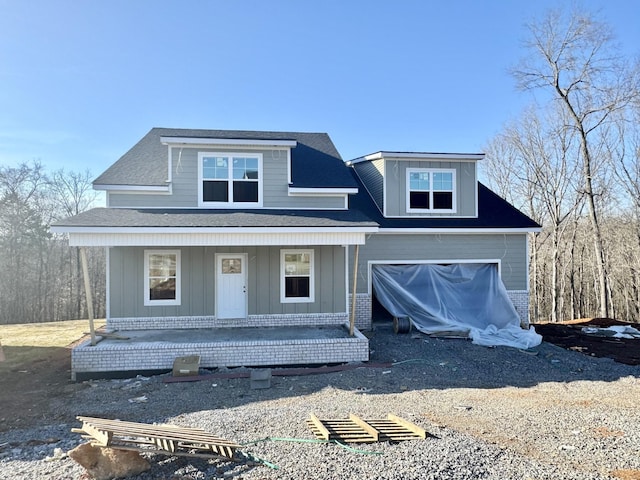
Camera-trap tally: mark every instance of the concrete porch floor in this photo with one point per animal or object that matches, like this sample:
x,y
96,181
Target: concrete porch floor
x,y
241,334
147,351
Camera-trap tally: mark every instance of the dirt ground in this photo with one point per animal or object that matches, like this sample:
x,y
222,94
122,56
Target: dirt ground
x,y
570,335
27,390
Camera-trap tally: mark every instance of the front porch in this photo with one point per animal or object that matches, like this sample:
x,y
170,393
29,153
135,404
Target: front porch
x,y
147,351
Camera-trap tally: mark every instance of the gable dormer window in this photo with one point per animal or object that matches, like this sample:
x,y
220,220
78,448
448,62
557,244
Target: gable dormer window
x,y
431,190
230,179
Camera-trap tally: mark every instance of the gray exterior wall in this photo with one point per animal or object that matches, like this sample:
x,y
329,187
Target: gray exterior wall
x,y
396,187
126,282
511,249
372,175
184,177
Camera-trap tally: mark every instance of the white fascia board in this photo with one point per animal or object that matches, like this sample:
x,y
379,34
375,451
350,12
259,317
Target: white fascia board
x,y
293,191
453,231
238,238
227,141
460,157
209,230
133,188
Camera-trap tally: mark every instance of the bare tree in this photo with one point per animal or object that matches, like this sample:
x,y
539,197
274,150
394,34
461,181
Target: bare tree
x,y
574,58
533,158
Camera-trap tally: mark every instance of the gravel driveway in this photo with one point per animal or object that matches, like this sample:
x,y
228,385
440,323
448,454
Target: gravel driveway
x,y
491,413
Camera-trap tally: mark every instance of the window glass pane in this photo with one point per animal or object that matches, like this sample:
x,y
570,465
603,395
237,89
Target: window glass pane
x,y
215,167
215,191
162,289
442,200
252,168
245,168
419,200
297,264
442,181
419,180
245,191
238,168
162,265
231,265
296,287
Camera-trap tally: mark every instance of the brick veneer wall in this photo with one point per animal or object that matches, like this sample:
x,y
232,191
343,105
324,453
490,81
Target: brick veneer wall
x,y
363,310
90,362
520,300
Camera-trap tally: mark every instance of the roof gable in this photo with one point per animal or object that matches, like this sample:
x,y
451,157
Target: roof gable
x,y
315,161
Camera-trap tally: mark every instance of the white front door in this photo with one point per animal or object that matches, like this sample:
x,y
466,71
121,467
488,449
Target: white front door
x,y
231,285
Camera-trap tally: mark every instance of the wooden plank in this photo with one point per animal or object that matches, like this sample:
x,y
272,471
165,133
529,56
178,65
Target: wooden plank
x,y
317,424
102,437
365,426
166,438
170,432
356,430
177,453
408,425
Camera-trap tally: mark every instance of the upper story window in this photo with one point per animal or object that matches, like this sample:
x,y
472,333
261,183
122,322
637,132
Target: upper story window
x,y
431,190
230,179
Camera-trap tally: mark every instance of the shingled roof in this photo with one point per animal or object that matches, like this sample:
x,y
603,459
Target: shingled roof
x,y
315,162
205,218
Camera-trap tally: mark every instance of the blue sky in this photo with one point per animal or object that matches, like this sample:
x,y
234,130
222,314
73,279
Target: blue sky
x,y
82,81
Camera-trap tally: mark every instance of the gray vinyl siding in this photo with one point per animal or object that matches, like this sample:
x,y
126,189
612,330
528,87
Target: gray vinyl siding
x,y
372,173
198,276
511,249
184,183
396,187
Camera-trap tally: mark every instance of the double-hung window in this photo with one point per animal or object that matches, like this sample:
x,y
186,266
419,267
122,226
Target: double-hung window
x,y
162,277
431,190
296,276
228,179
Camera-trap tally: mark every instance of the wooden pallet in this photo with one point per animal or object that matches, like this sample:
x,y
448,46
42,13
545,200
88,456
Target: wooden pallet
x,y
166,439
356,430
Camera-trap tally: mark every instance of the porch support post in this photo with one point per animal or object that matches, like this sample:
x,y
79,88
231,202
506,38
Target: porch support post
x,y
87,292
352,323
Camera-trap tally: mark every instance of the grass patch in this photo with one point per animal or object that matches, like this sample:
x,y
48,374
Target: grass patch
x,y
26,343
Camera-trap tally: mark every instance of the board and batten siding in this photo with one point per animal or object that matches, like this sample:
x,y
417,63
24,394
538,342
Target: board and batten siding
x,y
396,187
510,249
198,276
372,175
184,184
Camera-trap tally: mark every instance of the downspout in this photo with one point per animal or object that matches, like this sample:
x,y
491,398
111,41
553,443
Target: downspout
x,y
87,291
352,323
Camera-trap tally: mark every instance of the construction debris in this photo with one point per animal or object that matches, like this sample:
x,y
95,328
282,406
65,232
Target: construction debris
x,y
164,439
356,430
186,366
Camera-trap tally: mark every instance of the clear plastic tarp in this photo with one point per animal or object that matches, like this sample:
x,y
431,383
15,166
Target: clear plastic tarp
x,y
464,299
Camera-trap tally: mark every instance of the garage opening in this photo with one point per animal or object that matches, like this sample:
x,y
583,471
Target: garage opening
x,y
463,298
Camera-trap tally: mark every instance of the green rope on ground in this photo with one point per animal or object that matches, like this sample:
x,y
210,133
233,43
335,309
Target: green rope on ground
x,y
261,461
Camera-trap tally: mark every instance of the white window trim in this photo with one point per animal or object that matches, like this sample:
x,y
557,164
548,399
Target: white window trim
x,y
311,297
229,204
147,301
453,208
